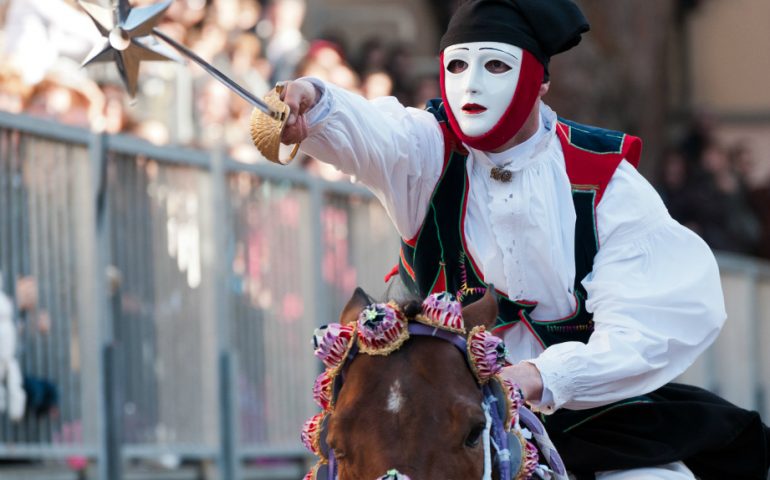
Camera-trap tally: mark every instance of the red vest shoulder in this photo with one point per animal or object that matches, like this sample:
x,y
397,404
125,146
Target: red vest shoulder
x,y
592,154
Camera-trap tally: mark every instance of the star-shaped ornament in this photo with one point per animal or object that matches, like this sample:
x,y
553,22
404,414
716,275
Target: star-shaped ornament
x,y
128,37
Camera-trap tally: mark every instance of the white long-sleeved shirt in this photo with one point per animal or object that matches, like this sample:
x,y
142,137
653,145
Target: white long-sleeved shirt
x,y
654,290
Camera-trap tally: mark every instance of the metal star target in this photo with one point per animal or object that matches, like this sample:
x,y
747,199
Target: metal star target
x,y
129,37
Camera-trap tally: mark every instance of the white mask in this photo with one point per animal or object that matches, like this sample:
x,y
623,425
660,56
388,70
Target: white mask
x,y
480,80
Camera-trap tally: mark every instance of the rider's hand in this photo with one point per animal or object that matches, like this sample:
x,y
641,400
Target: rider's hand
x,y
527,377
300,96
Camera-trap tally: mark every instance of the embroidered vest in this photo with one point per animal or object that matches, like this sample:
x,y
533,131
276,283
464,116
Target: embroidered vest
x,y
437,258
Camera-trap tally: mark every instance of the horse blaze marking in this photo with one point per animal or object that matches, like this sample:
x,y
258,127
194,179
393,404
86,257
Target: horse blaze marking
x,y
395,399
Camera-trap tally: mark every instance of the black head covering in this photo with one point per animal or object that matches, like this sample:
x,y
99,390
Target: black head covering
x,y
542,27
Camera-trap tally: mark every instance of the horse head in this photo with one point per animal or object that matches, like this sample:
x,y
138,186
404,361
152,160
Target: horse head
x,y
413,388
417,410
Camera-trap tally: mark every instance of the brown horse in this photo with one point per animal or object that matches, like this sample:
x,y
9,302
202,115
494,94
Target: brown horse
x,y
417,410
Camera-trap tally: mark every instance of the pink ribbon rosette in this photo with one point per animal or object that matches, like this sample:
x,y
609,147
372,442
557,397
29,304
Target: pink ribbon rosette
x,y
442,310
332,343
486,353
382,329
529,462
515,402
313,473
311,434
322,390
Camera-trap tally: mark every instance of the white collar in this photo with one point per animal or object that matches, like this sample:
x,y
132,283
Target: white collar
x,y
524,154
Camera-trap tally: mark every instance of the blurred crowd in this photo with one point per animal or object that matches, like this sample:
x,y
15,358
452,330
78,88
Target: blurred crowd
x,y
706,185
255,42
712,187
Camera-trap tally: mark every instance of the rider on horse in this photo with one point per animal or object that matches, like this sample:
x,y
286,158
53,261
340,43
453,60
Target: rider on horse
x,y
603,297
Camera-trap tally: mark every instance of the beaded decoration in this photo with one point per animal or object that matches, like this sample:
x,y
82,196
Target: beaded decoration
x,y
332,344
486,353
382,329
442,310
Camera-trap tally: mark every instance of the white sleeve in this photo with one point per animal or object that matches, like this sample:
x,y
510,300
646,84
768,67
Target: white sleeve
x,y
397,152
656,297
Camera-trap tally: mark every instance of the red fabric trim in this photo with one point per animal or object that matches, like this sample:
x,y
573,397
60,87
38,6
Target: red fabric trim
x,y
440,285
407,267
632,150
412,242
593,171
392,273
524,98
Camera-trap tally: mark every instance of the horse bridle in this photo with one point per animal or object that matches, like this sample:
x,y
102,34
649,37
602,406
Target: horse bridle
x,y
493,394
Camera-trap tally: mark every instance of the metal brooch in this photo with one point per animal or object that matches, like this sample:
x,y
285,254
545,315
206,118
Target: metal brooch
x,y
501,174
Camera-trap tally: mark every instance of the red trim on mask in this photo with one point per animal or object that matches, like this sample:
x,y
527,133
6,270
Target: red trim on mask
x,y
524,98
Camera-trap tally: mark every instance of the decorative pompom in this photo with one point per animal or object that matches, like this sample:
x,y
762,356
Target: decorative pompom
x,y
486,353
322,390
393,475
515,402
313,473
382,329
529,464
311,434
332,343
442,310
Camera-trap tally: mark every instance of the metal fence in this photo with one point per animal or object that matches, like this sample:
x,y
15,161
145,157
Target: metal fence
x,y
181,289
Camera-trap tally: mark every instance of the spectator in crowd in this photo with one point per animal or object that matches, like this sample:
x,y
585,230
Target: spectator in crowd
x,y
43,33
373,56
728,221
14,92
13,399
706,189
744,162
286,45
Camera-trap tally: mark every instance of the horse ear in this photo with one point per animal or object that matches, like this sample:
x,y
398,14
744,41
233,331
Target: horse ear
x,y
482,312
357,302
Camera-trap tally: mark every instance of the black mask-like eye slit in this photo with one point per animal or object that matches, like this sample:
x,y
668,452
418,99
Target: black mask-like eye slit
x,y
474,437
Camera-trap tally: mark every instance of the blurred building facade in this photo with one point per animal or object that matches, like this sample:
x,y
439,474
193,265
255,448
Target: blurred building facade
x,y
729,64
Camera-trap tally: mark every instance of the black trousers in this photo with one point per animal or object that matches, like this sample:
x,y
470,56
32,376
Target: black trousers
x,y
714,438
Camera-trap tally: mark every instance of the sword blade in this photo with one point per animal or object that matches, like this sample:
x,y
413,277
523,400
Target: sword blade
x,y
224,79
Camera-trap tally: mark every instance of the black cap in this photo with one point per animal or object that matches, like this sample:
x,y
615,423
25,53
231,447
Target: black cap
x,y
544,28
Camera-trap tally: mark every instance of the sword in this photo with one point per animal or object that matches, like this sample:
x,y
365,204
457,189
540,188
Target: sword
x,y
224,79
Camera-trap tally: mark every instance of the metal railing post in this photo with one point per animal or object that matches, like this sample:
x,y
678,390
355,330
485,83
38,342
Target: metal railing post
x,y
320,297
229,458
109,406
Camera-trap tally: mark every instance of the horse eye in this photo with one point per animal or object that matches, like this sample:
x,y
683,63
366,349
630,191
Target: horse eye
x,y
456,66
474,437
